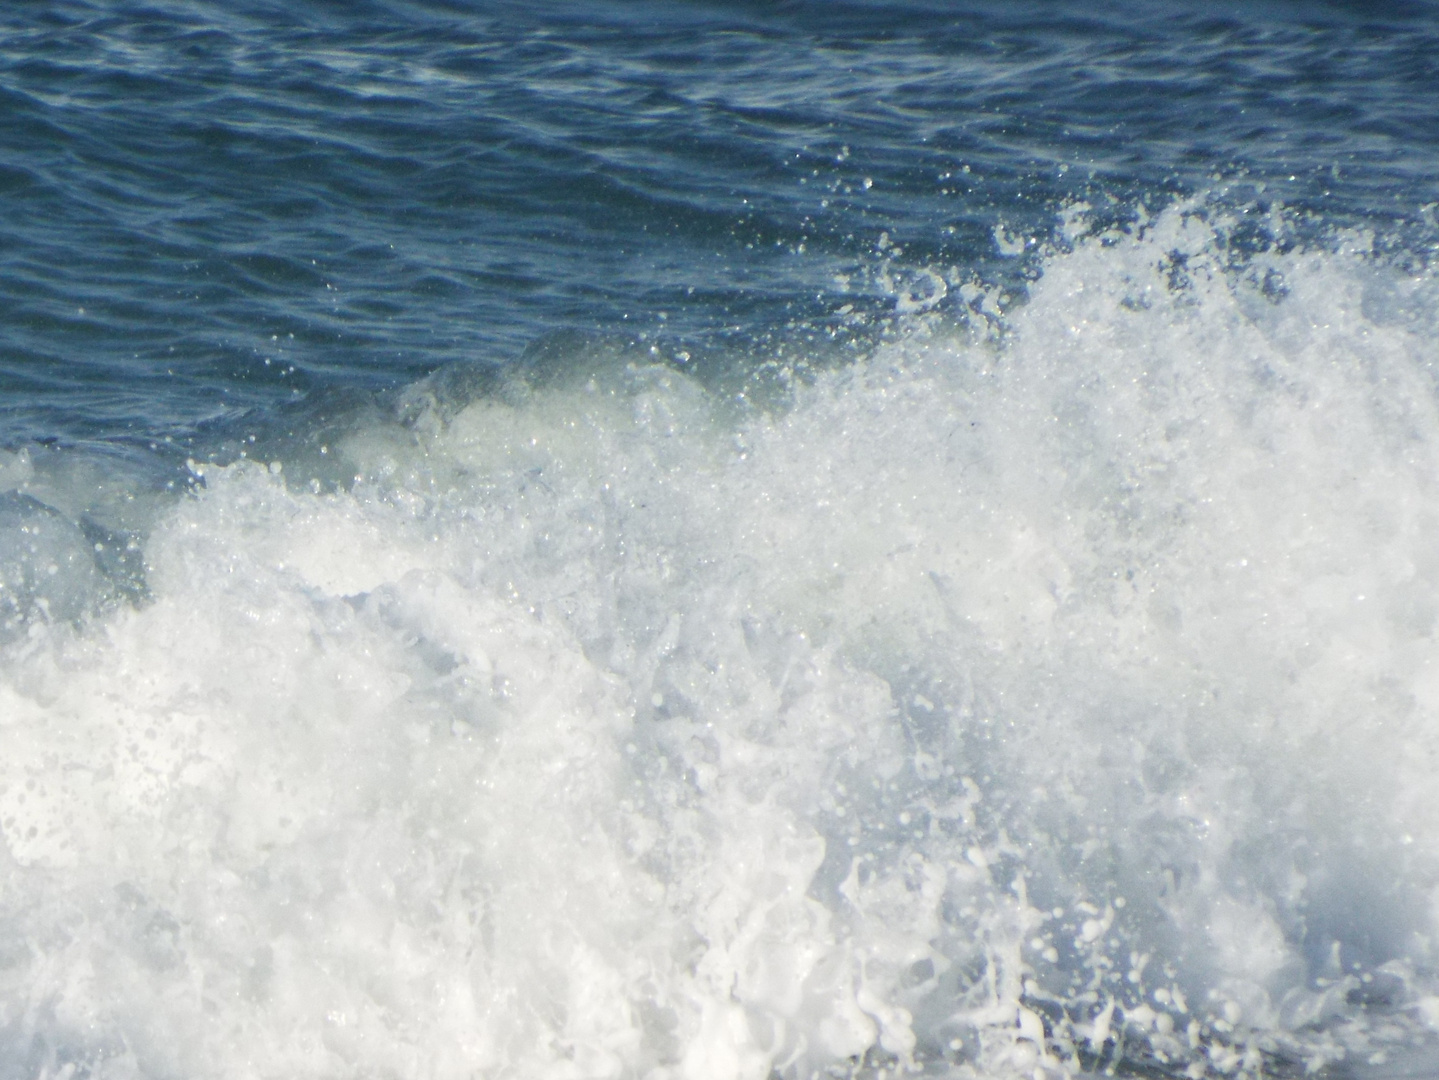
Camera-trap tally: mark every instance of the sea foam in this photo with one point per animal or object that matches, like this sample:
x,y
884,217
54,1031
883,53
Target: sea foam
x,y
1004,705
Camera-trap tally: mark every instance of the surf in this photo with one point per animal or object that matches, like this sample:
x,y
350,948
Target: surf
x,y
1050,691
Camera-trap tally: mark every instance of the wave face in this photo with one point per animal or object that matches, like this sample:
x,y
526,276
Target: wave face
x,y
1003,706
718,542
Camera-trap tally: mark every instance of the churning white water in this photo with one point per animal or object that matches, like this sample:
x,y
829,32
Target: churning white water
x,y
1008,706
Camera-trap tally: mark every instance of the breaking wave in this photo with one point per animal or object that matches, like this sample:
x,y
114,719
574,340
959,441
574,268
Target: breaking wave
x,y
1051,691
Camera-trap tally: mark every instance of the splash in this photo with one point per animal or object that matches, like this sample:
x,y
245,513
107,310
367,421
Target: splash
x,y
1018,705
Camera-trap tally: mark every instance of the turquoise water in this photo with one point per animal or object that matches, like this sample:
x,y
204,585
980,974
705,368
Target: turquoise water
x,y
718,542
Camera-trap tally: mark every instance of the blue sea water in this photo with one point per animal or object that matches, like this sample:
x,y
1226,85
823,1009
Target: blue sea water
x,y
719,540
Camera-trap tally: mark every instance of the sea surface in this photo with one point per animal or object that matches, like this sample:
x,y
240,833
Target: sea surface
x,y
719,541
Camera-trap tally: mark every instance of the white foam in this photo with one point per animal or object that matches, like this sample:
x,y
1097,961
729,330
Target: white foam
x,y
993,710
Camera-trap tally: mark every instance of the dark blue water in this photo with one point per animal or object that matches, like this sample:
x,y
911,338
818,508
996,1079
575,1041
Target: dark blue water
x,y
716,541
209,209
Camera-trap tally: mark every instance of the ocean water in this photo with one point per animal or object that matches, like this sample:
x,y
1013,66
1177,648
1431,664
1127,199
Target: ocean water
x,y
719,541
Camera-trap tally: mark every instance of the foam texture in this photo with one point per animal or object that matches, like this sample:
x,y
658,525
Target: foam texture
x,y
1002,707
